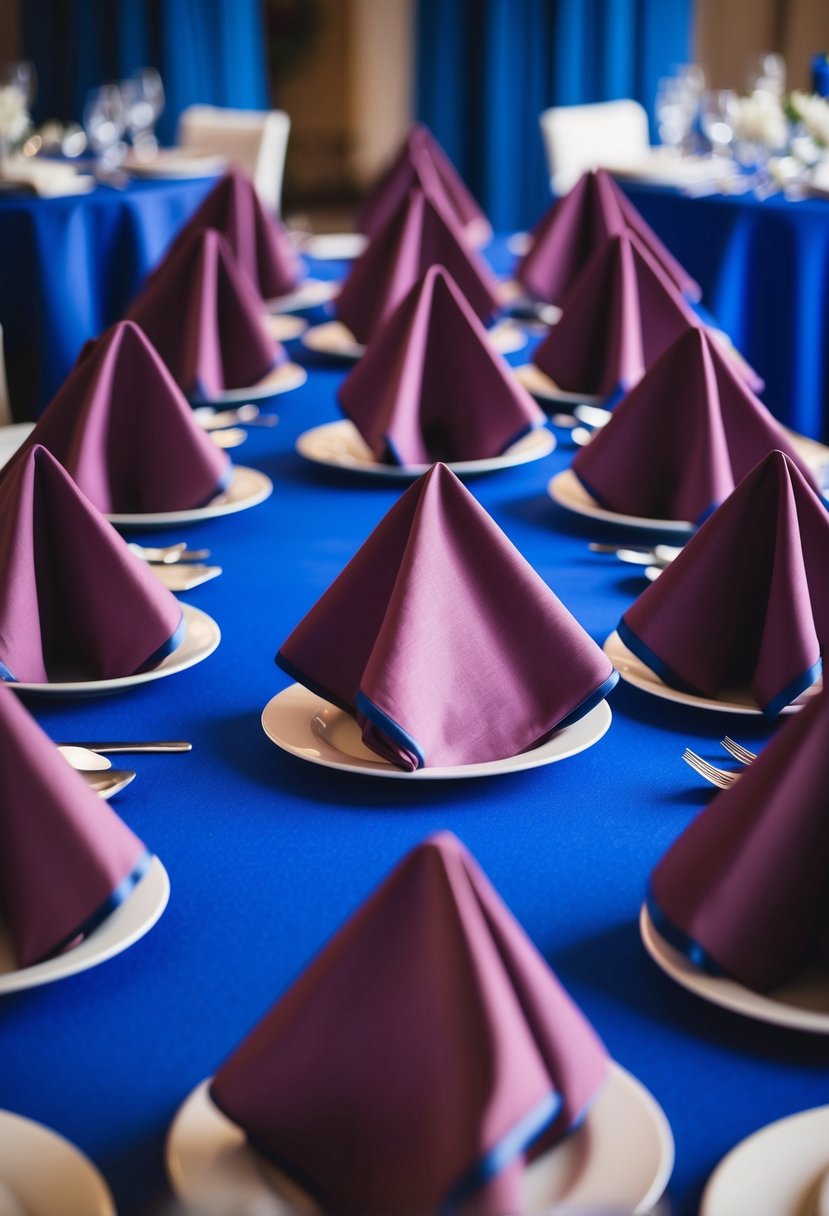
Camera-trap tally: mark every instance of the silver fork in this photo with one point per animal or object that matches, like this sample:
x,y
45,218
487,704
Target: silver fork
x,y
738,751
717,776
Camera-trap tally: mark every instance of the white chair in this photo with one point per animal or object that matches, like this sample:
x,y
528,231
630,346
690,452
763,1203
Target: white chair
x,y
577,138
256,140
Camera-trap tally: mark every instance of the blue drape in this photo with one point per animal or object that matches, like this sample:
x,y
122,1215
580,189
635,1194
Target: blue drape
x,y
486,68
206,51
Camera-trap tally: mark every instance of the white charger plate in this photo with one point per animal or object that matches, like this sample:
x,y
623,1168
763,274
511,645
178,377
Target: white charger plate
x,y
177,163
313,729
248,487
47,1174
541,386
310,293
566,489
200,640
800,1004
733,701
281,379
336,340
779,1171
332,246
622,1155
121,929
339,445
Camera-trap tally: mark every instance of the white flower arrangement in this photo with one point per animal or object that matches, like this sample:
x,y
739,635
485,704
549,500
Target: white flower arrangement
x,y
14,117
813,111
760,119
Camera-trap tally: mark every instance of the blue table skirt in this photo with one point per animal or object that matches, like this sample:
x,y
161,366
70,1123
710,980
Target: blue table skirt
x,y
764,271
69,267
268,854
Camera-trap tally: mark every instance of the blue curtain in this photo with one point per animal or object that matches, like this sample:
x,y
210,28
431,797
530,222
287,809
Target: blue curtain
x,y
209,51
486,68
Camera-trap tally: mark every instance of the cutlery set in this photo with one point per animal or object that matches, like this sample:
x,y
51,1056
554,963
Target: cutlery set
x,y
176,566
89,760
720,777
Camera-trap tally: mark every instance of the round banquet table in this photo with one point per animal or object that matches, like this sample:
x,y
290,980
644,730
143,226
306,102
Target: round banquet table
x,y
268,854
68,268
764,270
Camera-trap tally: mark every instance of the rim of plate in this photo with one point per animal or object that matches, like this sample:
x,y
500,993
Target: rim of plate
x,y
539,385
283,378
335,339
46,1172
566,489
248,487
310,293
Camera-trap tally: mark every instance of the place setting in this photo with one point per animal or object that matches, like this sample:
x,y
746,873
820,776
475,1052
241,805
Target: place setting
x,y
41,1171
571,1127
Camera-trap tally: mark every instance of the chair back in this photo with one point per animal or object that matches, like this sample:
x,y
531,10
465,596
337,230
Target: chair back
x,y
5,405
256,140
578,138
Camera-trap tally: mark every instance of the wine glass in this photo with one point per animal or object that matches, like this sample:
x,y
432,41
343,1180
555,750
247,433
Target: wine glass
x,y
104,120
768,75
676,107
21,75
143,96
718,117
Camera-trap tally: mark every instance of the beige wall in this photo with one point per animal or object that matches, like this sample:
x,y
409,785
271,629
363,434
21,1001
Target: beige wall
x,y
731,34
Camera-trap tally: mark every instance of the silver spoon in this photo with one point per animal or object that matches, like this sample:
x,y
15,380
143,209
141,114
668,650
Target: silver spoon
x,y
167,554
248,414
82,758
109,783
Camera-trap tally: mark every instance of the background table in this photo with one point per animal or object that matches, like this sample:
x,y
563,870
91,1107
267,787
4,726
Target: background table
x,y
69,267
764,271
268,855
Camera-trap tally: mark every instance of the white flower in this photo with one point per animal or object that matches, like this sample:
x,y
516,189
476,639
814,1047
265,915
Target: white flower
x,y
14,117
813,112
760,119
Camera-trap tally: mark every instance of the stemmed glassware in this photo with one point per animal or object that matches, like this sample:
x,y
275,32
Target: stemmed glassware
x,y
143,97
718,119
105,121
18,85
677,101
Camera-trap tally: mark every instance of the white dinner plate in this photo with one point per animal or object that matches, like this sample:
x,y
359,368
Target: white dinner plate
x,y
121,929
283,327
47,1174
248,487
339,445
336,340
566,489
310,293
177,163
779,1171
730,701
333,246
544,388
281,379
311,728
621,1154
514,299
200,640
664,167
800,1004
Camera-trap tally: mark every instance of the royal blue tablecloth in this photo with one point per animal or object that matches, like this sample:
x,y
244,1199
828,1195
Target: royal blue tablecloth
x,y
764,270
69,267
268,854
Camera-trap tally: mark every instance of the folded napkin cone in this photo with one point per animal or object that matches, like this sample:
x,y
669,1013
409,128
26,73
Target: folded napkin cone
x,y
124,432
74,602
618,317
746,603
744,889
421,161
66,859
679,442
419,234
259,242
422,1056
576,226
431,387
205,318
443,641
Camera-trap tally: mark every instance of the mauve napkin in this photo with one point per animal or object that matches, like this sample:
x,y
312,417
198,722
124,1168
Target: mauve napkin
x,y
424,1054
418,235
205,318
619,316
431,387
744,889
259,242
746,603
74,602
123,431
443,641
66,859
679,442
576,226
421,161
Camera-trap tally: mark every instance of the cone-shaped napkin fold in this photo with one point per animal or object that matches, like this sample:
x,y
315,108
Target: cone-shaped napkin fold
x,y
679,442
418,235
619,316
66,859
259,242
746,603
421,161
74,602
576,226
744,889
431,387
205,318
124,432
420,1057
443,641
